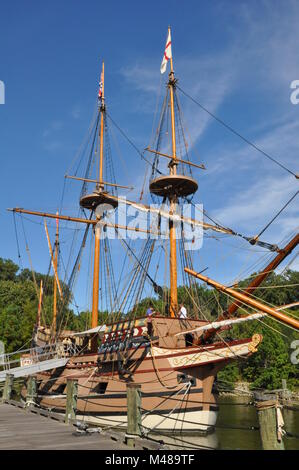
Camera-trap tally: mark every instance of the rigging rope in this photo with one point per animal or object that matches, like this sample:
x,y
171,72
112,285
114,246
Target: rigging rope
x,y
17,241
278,213
129,140
227,126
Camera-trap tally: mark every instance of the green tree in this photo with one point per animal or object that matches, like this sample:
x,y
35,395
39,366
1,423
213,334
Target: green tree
x,y
8,270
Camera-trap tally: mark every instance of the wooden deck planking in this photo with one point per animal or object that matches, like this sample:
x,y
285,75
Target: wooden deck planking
x,y
21,429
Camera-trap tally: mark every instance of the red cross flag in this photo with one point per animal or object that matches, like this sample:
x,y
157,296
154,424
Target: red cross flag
x,y
167,53
100,87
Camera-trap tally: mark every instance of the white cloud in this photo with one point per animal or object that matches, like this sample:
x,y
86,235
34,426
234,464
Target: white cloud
x,y
53,127
254,68
261,54
270,40
76,112
142,77
253,208
281,142
215,80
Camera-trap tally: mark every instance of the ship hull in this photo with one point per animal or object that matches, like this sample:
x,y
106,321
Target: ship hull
x,y
176,385
191,421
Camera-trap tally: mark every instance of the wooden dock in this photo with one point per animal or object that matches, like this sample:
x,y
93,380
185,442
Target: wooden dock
x,y
24,429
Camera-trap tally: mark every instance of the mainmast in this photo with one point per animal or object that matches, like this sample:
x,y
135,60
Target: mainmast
x,y
173,185
172,201
97,231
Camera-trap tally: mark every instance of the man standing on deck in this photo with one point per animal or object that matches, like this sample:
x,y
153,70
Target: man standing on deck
x,y
182,312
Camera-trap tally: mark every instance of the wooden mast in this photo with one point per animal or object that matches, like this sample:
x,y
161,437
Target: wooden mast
x,y
247,300
96,266
39,304
102,108
53,216
172,201
54,323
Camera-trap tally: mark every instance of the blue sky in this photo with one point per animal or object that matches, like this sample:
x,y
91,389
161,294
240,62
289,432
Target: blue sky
x,y
236,58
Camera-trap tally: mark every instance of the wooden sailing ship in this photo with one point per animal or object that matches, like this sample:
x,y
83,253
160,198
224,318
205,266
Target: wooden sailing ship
x,y
175,360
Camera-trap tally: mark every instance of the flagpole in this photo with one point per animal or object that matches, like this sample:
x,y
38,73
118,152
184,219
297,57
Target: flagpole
x,y
171,61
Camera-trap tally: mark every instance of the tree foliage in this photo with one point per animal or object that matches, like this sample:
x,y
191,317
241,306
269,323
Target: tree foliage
x,y
264,369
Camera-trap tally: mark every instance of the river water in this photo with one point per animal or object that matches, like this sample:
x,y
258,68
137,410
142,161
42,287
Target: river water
x,y
234,415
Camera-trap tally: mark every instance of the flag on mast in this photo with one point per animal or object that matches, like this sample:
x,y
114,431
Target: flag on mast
x,y
100,88
167,53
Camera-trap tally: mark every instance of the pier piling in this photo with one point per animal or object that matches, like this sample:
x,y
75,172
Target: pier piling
x,y
31,391
71,400
8,386
134,413
270,423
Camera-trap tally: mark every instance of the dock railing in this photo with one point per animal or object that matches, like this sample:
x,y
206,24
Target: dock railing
x,y
30,356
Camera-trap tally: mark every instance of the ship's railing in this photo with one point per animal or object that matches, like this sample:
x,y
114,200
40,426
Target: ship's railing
x,y
31,356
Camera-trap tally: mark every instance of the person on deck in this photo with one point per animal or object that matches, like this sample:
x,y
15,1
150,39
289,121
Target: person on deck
x,y
182,311
149,314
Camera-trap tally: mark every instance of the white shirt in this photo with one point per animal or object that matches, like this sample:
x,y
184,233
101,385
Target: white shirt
x,y
183,313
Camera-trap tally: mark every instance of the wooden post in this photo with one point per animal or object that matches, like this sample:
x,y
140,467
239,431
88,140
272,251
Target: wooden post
x,y
71,400
31,391
270,434
285,393
134,413
8,386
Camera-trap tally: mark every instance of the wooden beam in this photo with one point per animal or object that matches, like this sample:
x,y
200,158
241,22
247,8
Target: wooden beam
x,y
247,300
84,221
180,160
175,217
88,180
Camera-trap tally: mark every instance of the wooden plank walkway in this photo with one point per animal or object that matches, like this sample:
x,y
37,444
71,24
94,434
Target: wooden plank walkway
x,y
22,429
